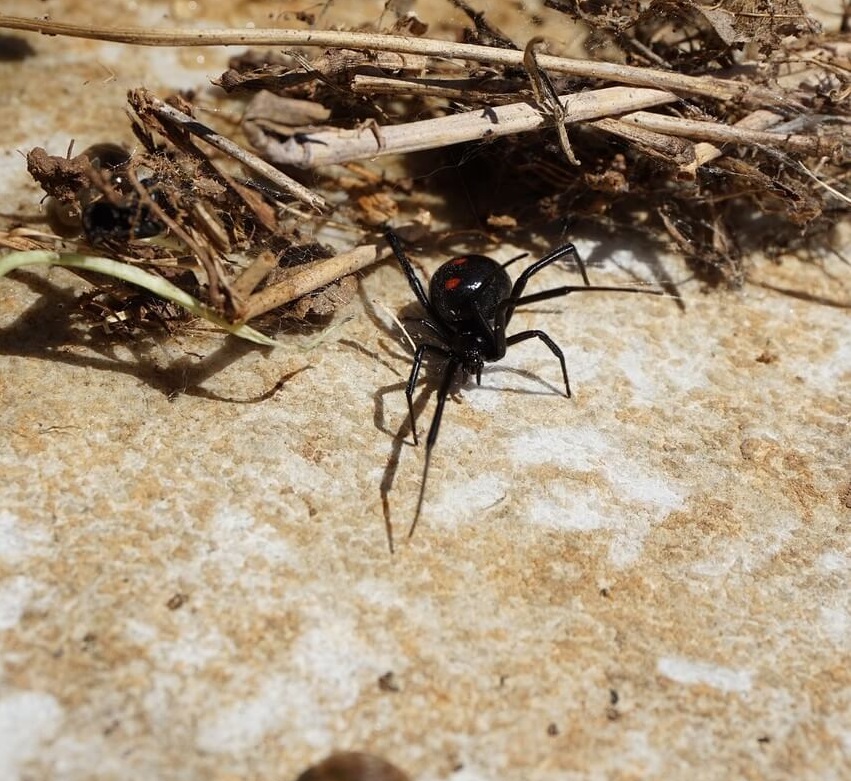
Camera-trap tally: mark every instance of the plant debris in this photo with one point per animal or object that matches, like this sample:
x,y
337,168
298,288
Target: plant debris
x,y
715,129
174,208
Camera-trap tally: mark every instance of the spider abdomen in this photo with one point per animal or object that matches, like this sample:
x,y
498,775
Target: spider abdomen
x,y
467,282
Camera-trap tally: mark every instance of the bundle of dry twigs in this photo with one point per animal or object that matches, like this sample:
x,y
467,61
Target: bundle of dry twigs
x,y
700,120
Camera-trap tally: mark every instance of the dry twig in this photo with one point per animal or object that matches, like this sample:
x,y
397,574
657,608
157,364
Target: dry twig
x,y
309,278
734,134
340,146
547,98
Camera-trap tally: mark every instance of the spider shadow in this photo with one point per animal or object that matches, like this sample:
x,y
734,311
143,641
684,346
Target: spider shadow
x,y
50,330
401,436
803,295
646,254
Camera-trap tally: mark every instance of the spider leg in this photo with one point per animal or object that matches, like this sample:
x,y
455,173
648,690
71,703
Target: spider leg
x,y
547,340
412,380
580,264
515,259
506,308
445,385
430,325
495,339
413,279
511,303
557,254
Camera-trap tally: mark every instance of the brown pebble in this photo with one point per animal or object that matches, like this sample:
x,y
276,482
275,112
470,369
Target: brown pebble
x,y
353,766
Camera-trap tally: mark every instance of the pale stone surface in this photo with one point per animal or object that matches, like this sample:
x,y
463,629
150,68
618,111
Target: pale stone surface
x,y
196,585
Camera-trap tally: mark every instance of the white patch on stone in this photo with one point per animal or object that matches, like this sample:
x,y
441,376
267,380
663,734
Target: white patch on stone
x,y
585,449
833,561
237,536
576,508
191,651
692,672
631,362
747,554
140,633
15,595
332,658
836,625
27,720
284,705
18,541
576,513
379,592
627,544
579,448
466,500
632,482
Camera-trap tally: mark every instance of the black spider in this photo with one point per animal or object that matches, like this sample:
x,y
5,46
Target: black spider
x,y
471,302
130,218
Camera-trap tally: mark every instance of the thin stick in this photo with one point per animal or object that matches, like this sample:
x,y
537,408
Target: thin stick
x,y
705,152
672,146
254,274
384,308
450,87
731,134
311,278
676,150
341,146
689,155
547,98
144,101
720,89
216,280
821,183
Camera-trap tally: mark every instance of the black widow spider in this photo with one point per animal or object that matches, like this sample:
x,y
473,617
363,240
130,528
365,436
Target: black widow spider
x,y
471,302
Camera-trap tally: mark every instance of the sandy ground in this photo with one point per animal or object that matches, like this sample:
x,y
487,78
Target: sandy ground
x,y
647,581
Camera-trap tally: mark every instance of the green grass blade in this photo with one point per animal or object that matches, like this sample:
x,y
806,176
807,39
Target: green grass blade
x,y
136,276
